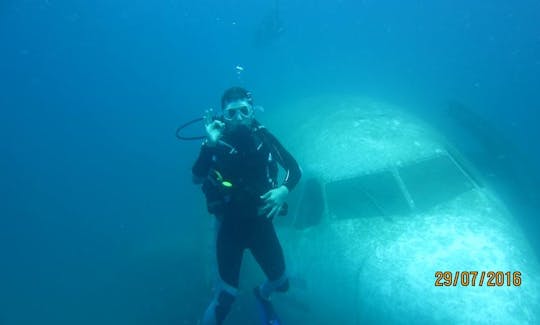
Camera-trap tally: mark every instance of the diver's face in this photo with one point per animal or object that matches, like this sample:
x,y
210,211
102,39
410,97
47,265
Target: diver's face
x,y
238,113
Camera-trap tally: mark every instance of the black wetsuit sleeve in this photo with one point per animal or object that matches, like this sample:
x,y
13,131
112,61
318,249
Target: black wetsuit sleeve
x,y
202,164
286,160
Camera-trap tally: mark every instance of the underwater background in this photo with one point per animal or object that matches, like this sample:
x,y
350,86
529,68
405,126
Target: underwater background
x,y
100,222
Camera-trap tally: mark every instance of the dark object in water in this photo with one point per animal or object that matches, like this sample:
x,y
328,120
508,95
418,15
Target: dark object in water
x,y
270,29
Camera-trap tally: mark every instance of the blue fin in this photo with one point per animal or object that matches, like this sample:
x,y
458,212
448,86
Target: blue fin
x,y
267,312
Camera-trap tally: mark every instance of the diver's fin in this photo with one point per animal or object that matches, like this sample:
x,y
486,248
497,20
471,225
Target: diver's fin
x,y
267,312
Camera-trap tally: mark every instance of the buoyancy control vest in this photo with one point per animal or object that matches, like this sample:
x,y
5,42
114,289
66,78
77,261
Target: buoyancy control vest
x,y
242,169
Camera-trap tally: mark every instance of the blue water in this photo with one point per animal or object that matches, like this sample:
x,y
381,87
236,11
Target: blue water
x,y
91,93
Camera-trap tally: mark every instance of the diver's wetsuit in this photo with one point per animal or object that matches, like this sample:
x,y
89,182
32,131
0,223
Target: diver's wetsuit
x,y
236,172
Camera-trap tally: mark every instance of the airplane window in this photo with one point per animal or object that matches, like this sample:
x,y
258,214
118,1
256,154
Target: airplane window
x,y
311,205
434,181
370,195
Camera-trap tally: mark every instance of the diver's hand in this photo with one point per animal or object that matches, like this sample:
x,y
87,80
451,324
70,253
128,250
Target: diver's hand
x,y
214,128
274,200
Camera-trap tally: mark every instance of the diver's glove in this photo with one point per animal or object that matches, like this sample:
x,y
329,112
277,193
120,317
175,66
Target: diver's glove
x,y
214,128
274,200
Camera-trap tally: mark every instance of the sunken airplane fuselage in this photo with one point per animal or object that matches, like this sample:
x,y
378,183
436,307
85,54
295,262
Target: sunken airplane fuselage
x,y
502,164
384,204
506,159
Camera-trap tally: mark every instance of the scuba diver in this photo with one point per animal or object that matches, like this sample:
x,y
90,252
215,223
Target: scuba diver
x,y
270,29
238,168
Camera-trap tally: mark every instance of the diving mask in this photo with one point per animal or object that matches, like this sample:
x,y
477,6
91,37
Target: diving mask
x,y
240,108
